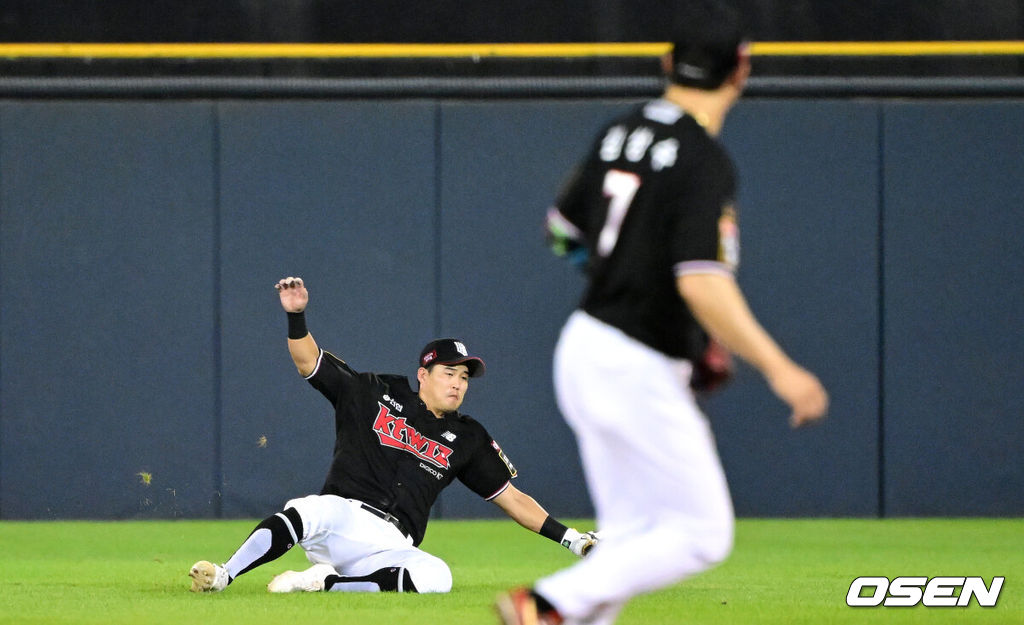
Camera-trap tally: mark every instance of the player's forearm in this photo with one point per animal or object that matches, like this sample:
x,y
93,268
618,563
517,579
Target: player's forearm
x,y
718,304
528,513
303,349
531,515
522,508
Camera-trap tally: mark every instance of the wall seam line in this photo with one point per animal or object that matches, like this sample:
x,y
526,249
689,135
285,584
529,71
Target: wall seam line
x,y
1,328
438,244
218,400
882,512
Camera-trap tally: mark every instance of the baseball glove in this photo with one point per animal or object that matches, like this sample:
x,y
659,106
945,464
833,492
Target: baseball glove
x,y
580,544
713,369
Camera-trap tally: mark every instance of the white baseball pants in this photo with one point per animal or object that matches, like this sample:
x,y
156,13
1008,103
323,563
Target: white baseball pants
x,y
340,533
660,495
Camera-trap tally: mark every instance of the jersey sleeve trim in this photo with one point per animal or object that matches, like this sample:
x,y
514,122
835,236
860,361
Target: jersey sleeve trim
x,y
691,267
559,224
319,359
499,491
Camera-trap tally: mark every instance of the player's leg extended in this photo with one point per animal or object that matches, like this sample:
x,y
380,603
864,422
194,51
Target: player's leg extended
x,y
654,476
270,540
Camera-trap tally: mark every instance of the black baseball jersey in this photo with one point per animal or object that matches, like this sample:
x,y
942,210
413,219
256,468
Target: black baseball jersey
x,y
392,453
653,200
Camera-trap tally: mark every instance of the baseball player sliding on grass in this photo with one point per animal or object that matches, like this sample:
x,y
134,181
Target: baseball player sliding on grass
x,y
396,450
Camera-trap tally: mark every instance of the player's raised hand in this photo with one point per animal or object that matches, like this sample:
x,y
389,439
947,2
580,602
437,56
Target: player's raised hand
x,y
293,293
803,392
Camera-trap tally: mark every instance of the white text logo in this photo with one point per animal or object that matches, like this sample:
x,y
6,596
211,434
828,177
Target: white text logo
x,y
937,592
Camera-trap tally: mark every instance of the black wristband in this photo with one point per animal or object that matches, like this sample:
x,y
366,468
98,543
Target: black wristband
x,y
553,529
297,325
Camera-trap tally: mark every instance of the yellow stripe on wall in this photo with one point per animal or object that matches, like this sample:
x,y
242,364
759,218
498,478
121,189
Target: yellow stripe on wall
x,y
888,48
323,50
482,50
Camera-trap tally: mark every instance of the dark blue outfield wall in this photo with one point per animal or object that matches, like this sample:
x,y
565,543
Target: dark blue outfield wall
x,y
143,367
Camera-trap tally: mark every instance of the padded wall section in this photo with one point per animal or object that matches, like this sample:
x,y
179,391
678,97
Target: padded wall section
x,y
108,383
954,272
808,227
341,194
504,291
143,365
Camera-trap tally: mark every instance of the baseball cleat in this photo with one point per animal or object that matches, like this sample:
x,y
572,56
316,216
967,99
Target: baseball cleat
x,y
519,607
208,577
310,580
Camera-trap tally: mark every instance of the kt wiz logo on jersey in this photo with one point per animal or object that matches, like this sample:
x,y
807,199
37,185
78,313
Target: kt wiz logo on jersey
x,y
396,433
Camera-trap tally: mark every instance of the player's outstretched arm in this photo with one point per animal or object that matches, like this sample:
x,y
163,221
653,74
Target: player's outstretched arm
x,y
525,510
301,346
718,304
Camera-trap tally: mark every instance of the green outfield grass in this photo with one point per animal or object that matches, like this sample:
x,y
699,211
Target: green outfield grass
x,y
781,572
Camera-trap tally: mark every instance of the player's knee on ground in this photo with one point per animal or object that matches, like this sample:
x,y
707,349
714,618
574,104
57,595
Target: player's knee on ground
x,y
308,509
429,574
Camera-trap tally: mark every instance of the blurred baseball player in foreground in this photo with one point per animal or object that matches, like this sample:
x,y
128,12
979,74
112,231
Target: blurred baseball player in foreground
x,y
396,450
650,214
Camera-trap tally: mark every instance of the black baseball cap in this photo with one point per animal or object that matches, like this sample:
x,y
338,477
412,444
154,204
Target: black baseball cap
x,y
707,44
451,352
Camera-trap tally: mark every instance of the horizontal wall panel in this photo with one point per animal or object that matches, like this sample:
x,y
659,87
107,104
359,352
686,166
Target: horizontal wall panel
x,y
144,366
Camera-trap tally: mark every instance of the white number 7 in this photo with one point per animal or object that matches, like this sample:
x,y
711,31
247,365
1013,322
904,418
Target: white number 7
x,y
619,187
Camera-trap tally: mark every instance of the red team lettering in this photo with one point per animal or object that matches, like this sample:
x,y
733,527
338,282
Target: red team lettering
x,y
396,433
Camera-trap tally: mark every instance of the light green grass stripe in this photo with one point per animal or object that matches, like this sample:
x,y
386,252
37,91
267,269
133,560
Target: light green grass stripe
x,y
781,572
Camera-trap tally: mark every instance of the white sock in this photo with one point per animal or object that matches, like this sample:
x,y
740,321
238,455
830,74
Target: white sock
x,y
254,548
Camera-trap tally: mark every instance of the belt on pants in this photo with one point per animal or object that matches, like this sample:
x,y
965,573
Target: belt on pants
x,y
387,516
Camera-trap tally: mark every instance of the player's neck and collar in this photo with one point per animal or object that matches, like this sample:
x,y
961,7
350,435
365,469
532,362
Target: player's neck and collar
x,y
703,106
436,412
709,107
